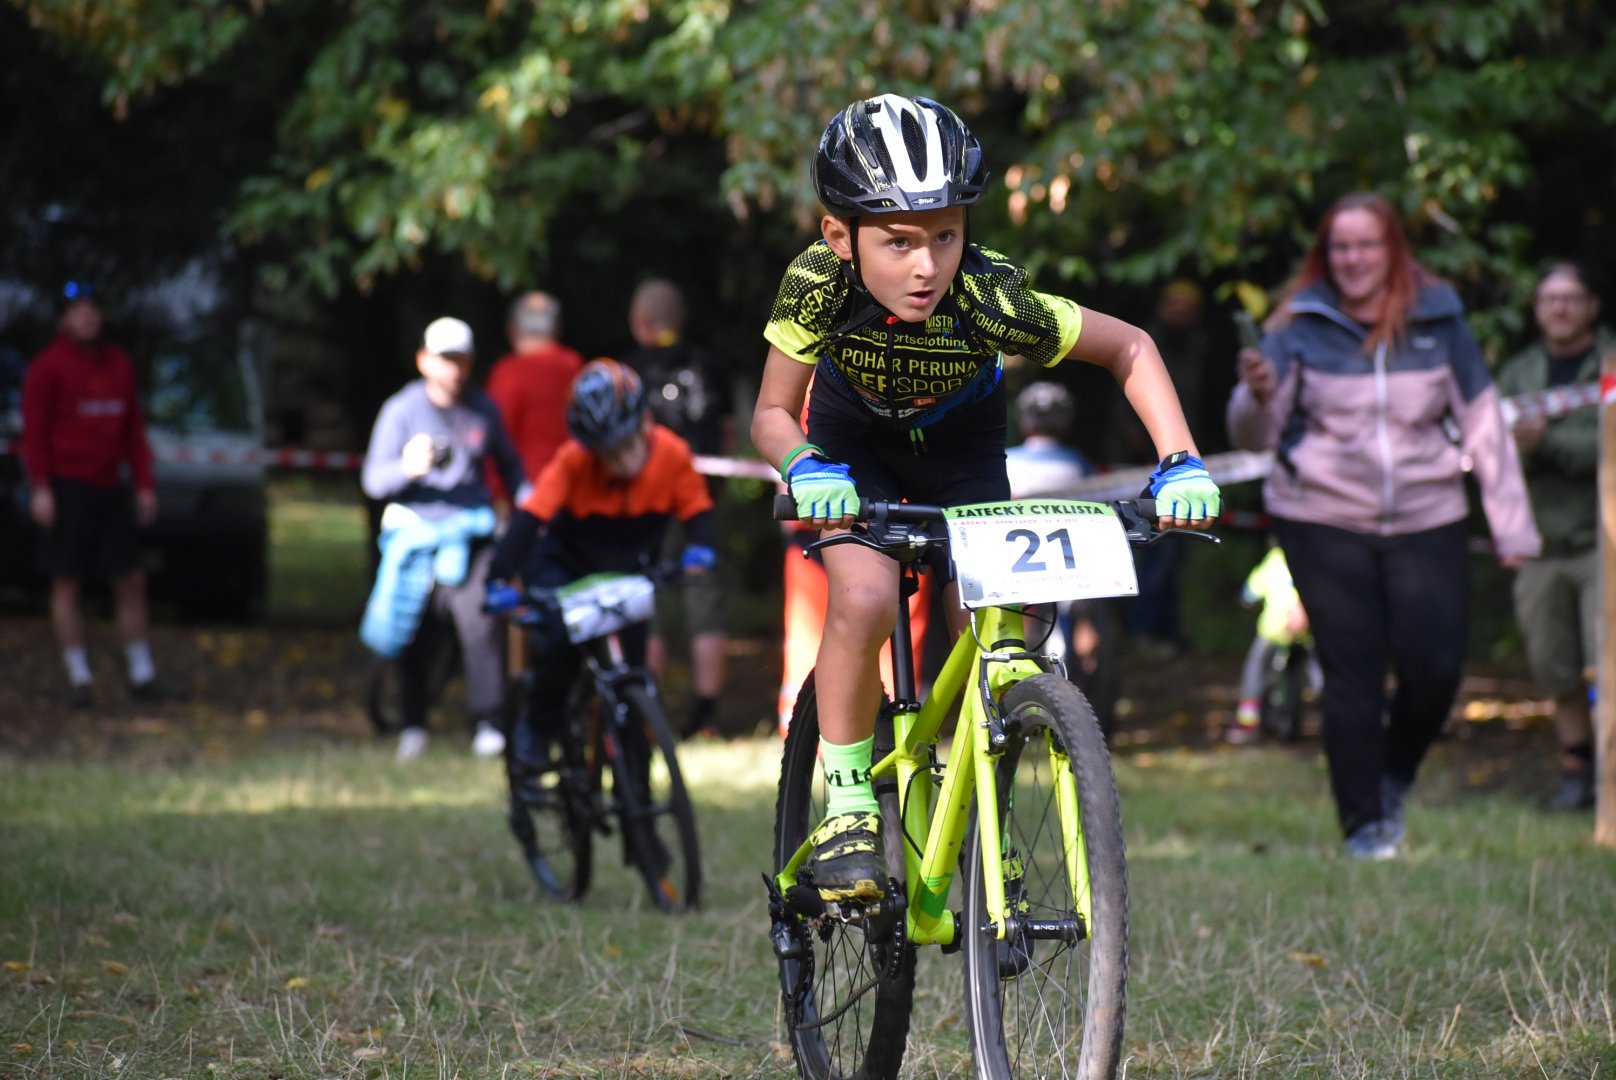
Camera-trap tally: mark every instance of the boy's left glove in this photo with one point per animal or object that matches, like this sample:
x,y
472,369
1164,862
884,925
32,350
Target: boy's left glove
x,y
698,558
1183,489
500,597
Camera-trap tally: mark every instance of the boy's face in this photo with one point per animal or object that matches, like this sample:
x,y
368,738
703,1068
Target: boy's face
x,y
625,459
907,260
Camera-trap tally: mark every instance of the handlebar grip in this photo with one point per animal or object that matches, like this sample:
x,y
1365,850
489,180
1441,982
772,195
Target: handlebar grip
x,y
785,509
1147,508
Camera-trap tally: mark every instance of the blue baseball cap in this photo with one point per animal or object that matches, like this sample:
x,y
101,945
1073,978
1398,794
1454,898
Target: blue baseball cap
x,y
78,290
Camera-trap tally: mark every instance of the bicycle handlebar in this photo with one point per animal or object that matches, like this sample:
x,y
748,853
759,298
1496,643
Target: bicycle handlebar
x,y
785,509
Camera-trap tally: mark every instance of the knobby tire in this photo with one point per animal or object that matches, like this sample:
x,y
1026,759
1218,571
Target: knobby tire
x,y
1047,1008
661,834
866,1041
551,814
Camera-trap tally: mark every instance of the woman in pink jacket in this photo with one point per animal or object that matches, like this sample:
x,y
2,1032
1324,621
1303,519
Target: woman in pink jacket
x,y
1364,360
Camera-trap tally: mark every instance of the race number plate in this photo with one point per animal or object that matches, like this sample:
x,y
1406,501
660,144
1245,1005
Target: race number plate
x,y
1038,551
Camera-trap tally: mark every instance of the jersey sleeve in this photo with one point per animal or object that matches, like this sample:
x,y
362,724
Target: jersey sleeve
x,y
554,484
1013,317
811,294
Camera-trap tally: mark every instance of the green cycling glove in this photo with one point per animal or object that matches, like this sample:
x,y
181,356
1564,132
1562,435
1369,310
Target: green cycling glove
x,y
823,489
1183,489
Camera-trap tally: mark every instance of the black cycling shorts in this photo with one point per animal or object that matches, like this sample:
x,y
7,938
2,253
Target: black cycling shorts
x,y
95,534
954,462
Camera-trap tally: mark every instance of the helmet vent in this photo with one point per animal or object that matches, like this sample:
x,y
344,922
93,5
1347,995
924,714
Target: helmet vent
x,y
914,143
884,156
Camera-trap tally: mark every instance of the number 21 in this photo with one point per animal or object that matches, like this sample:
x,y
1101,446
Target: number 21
x,y
1026,563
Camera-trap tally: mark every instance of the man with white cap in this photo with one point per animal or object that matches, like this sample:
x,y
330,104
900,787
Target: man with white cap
x,y
426,461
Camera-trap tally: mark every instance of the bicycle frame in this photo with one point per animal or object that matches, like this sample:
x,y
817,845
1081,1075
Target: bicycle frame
x,y
968,772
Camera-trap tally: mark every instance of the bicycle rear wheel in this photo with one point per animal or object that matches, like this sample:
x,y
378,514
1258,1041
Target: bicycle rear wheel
x,y
1283,703
1049,1000
659,823
847,988
552,812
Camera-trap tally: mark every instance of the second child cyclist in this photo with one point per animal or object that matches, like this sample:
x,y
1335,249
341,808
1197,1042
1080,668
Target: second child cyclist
x,y
908,325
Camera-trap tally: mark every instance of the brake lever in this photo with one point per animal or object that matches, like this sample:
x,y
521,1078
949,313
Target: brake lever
x,y
840,538
1183,534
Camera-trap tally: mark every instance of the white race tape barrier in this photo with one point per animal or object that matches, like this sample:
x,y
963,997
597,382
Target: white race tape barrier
x,y
1234,467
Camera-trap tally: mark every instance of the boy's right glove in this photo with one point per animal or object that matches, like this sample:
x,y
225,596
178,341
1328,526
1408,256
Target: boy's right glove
x,y
500,597
823,489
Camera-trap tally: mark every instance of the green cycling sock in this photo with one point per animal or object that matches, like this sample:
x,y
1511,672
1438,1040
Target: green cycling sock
x,y
847,777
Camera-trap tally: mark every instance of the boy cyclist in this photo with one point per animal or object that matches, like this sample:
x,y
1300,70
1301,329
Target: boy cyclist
x,y
1281,623
907,324
601,505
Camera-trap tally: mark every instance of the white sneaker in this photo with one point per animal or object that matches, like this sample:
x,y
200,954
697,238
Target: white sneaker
x,y
489,741
411,743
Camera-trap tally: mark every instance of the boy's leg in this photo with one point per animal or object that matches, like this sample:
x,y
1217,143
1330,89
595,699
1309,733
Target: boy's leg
x,y
861,610
1248,713
555,664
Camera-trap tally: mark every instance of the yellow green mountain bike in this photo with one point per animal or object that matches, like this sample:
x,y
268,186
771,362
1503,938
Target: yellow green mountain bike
x,y
1023,809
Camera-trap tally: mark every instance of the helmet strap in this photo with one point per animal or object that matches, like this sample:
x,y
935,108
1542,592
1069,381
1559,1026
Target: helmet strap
x,y
850,269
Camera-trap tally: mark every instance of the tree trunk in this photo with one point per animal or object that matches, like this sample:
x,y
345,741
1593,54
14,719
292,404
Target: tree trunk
x,y
1605,707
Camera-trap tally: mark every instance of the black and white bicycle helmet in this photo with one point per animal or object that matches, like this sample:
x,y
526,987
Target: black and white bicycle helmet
x,y
888,154
606,404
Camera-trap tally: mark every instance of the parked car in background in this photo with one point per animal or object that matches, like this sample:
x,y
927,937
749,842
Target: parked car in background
x,y
207,552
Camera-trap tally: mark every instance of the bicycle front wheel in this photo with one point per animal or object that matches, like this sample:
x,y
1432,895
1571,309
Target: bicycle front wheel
x,y
1048,1000
659,823
1282,704
847,987
551,817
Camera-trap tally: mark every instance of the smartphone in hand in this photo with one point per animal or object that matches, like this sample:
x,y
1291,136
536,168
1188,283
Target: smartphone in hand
x,y
1250,336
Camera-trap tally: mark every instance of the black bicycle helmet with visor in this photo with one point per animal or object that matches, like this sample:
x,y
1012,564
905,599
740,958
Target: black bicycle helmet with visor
x,y
606,404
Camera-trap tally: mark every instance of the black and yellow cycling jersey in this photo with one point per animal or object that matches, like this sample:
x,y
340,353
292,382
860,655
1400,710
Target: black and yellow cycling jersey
x,y
911,374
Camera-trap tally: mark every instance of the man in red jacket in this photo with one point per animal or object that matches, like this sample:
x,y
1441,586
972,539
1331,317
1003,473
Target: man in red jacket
x,y
90,477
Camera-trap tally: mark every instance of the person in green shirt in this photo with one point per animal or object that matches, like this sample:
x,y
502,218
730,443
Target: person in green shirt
x,y
1557,596
1281,623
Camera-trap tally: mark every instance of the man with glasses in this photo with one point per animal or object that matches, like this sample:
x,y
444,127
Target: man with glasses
x,y
1557,596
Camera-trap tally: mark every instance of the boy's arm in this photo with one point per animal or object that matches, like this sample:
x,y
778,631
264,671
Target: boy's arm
x,y
511,552
776,430
1130,355
1185,495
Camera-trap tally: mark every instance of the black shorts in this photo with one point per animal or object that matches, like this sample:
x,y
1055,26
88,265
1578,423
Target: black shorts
x,y
95,533
956,461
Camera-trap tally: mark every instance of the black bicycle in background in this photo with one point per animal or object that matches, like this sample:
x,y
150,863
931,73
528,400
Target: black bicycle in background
x,y
614,767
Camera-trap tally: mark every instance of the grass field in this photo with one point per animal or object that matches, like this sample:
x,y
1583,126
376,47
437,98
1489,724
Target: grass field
x,y
315,910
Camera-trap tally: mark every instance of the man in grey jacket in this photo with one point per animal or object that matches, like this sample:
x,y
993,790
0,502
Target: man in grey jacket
x,y
425,460
1557,596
